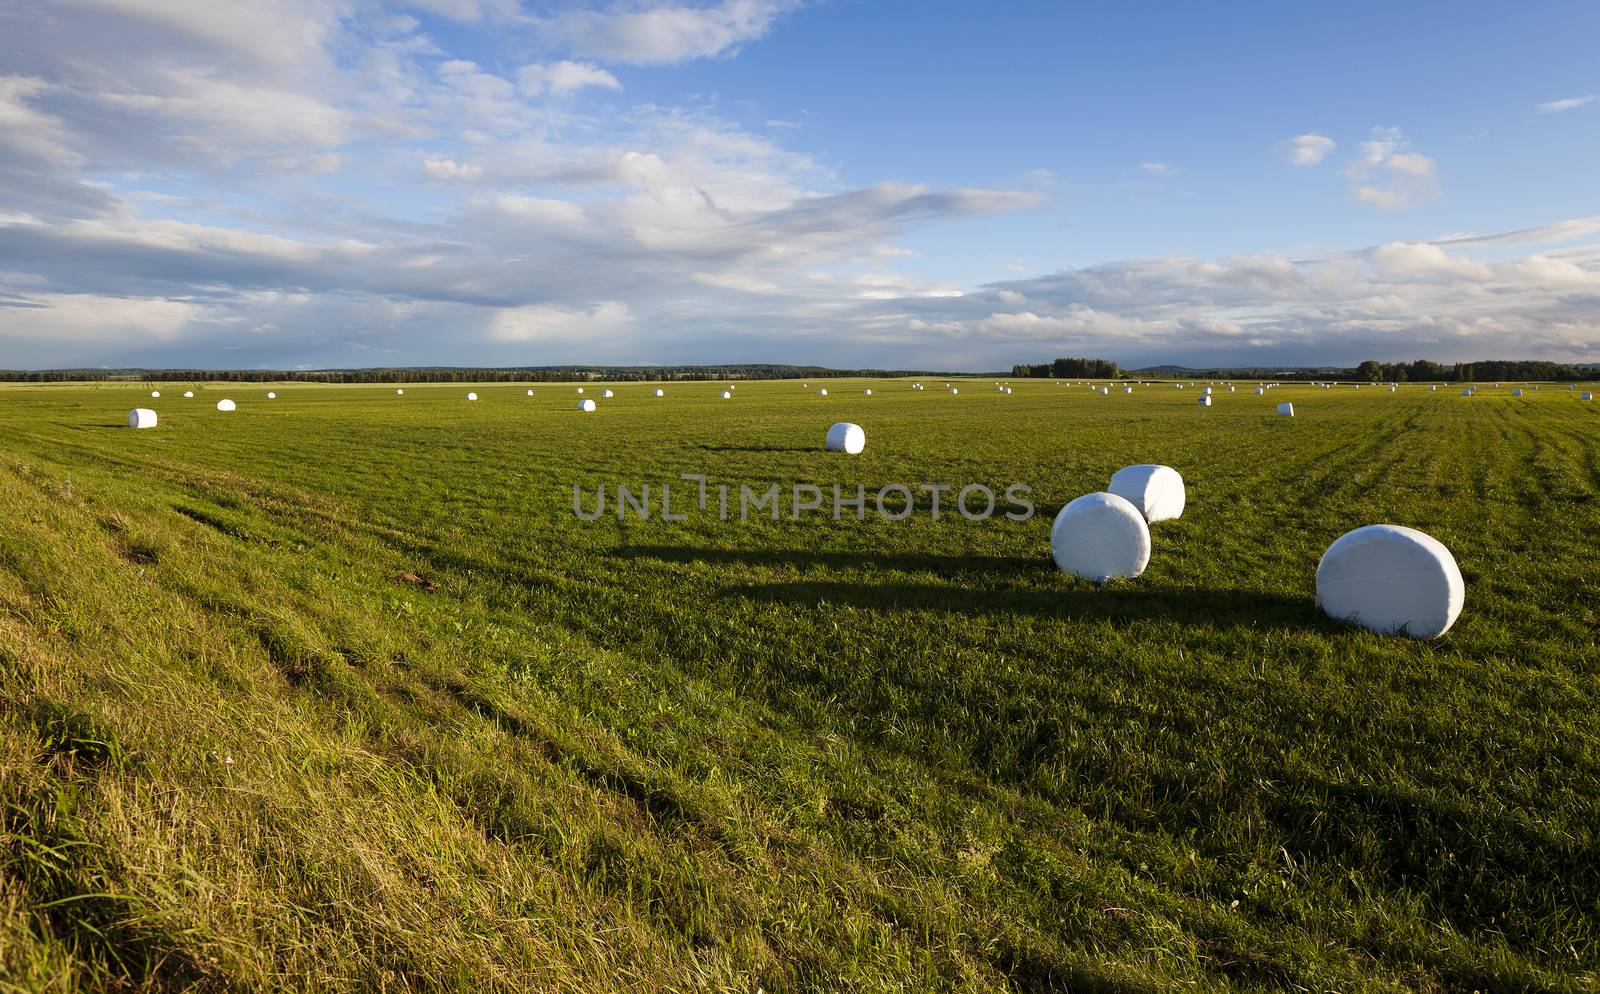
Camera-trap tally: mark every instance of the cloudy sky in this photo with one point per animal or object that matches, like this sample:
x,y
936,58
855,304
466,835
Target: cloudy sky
x,y
846,182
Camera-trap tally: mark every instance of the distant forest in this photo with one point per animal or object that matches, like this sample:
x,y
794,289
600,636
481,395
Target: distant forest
x,y
1370,371
442,374
1082,369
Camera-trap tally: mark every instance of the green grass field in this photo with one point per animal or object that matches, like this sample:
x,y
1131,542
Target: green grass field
x,y
243,750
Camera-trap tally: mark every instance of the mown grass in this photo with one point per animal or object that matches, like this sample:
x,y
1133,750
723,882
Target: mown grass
x,y
245,747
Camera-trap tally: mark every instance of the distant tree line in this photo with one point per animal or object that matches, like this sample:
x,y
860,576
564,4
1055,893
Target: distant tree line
x,y
1082,369
1370,371
439,374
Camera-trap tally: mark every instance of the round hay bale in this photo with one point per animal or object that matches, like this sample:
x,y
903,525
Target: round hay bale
x,y
955,390
1127,389
399,393
472,396
660,392
607,393
188,393
1008,391
727,395
868,392
271,395
823,392
1516,393
226,405
1286,410
586,405
1157,491
1205,400
847,438
156,394
1100,536
141,417
1105,391
1392,580
1207,391
1586,395
1467,392
580,389
530,393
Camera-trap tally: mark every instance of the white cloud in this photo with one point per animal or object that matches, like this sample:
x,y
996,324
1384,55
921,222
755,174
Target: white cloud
x,y
1160,168
1306,150
1390,177
449,169
540,322
660,34
29,132
1571,103
562,78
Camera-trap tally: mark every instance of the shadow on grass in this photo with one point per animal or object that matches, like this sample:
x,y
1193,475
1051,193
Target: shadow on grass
x,y
1220,608
905,562
759,448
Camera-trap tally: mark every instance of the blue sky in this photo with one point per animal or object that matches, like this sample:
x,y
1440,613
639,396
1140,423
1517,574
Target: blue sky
x,y
283,184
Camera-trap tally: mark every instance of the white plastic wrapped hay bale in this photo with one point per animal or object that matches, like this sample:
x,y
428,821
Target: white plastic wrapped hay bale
x,y
1516,393
727,395
225,405
529,393
1127,389
1104,391
1157,491
1286,410
156,394
1100,537
823,392
1261,391
1008,391
472,396
1586,395
271,395
660,392
847,438
1392,580
867,392
141,417
188,393
399,393
1207,391
586,405
580,389
607,393
1205,400
1467,392
955,390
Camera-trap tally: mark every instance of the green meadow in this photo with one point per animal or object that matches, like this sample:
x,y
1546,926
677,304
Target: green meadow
x,y
337,693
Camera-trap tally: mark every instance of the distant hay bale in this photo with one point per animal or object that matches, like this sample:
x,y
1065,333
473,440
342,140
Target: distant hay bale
x,y
586,405
660,392
846,437
1127,389
226,405
580,389
727,395
156,394
1261,391
1205,400
399,393
1392,580
1100,536
141,417
188,393
271,395
1104,391
530,393
1516,393
868,392
472,396
955,390
1207,391
1286,410
1467,392
607,393
1586,395
1008,391
1157,491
